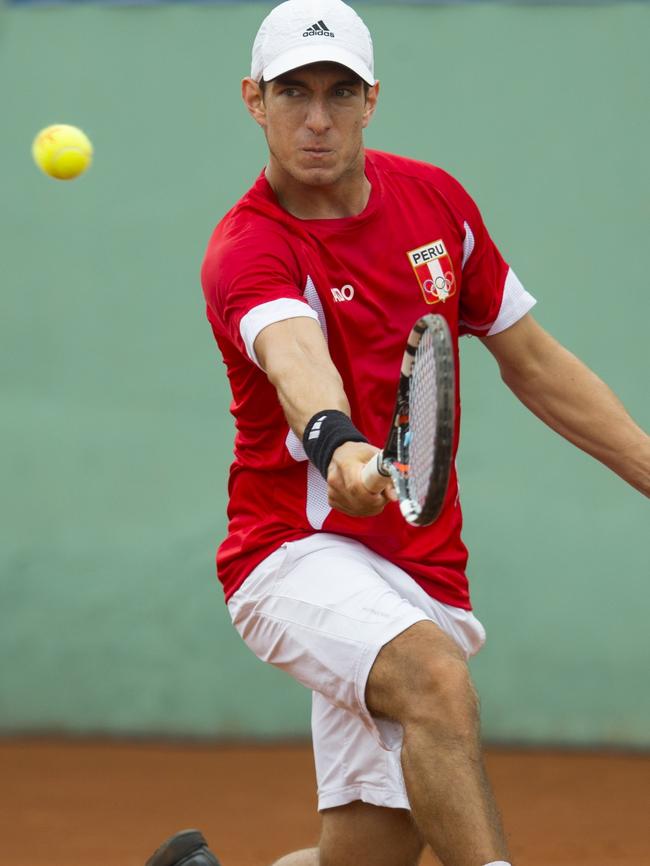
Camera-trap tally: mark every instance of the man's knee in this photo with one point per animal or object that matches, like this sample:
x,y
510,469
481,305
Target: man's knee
x,y
421,678
447,698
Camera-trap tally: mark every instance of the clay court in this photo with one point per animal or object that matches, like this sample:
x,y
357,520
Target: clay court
x,y
102,803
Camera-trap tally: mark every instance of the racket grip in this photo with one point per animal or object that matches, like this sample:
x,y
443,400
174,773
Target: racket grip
x,y
372,474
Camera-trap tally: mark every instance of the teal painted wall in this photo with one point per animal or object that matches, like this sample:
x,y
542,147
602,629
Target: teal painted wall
x,y
115,432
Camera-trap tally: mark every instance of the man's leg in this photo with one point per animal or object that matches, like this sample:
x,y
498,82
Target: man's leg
x,y
363,835
348,624
420,679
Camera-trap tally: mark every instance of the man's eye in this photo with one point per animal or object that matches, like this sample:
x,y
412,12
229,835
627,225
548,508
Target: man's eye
x,y
343,92
290,91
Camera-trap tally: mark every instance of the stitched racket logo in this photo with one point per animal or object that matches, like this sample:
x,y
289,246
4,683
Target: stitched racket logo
x,y
432,266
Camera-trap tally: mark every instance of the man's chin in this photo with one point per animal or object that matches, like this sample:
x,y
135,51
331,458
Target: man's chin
x,y
318,176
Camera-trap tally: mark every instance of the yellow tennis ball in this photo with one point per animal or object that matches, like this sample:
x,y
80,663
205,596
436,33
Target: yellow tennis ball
x,y
62,151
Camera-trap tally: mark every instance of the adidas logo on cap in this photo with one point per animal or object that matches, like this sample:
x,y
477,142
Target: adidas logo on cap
x,y
318,29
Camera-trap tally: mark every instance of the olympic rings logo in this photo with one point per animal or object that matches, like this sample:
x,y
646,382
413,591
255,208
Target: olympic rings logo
x,y
441,286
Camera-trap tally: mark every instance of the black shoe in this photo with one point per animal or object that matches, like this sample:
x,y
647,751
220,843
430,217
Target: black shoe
x,y
187,848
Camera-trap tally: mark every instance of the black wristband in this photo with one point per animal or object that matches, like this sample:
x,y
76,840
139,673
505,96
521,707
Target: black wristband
x,y
324,432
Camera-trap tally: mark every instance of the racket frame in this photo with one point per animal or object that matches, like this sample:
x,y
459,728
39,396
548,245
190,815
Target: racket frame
x,y
393,460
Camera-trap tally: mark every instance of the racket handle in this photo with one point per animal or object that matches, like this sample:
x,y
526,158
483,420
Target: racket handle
x,y
373,473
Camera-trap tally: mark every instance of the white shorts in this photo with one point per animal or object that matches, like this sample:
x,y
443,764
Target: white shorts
x,y
321,608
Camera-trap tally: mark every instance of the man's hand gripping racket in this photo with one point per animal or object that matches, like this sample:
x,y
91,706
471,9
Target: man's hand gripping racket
x,y
418,451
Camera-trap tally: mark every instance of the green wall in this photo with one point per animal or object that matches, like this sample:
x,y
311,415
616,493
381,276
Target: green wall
x,y
114,424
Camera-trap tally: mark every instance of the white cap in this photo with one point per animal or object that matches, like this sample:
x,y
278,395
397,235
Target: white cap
x,y
299,32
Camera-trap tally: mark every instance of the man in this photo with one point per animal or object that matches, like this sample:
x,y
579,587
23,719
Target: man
x,y
312,286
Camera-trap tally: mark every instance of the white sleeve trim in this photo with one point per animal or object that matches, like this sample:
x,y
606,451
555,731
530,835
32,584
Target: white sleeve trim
x,y
515,303
262,315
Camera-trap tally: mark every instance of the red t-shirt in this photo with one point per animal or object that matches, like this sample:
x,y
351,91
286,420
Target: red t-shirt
x,y
419,246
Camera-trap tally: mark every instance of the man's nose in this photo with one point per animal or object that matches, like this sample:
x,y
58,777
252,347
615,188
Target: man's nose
x,y
318,116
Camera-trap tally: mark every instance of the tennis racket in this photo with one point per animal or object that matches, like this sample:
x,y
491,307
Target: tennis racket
x,y
418,450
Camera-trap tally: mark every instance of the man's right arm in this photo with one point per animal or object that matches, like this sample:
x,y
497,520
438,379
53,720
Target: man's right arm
x,y
294,355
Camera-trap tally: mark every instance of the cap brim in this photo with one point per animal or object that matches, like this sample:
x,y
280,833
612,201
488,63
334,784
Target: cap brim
x,y
304,55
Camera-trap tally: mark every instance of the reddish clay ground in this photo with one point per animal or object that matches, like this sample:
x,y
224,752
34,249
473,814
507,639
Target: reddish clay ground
x,y
83,803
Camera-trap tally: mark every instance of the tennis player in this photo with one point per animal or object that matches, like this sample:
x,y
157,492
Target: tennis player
x,y
313,281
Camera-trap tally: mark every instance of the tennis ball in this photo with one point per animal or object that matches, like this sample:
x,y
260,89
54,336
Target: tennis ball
x,y
62,151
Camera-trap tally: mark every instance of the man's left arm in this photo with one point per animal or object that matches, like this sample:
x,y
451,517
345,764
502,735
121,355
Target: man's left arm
x,y
569,397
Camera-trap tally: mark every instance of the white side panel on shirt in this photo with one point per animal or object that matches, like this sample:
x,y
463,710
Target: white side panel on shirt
x,y
468,244
317,507
294,446
313,299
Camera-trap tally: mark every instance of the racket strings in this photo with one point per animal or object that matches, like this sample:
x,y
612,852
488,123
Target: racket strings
x,y
423,419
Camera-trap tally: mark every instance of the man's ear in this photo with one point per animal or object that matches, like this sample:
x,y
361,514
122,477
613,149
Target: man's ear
x,y
253,98
372,96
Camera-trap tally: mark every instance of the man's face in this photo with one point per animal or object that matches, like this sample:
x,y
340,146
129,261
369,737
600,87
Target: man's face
x,y
313,118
